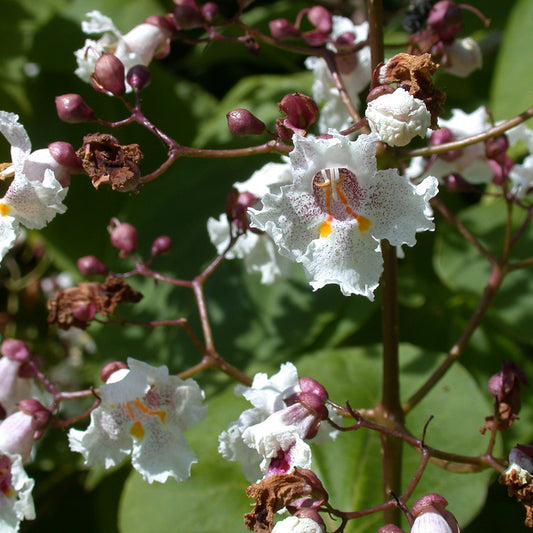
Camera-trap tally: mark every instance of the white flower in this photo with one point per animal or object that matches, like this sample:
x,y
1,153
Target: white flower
x,y
355,72
398,117
16,502
13,388
34,196
431,523
143,413
138,47
268,437
463,56
332,218
257,250
294,524
521,176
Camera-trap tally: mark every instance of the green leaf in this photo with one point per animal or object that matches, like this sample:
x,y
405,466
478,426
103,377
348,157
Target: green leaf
x,y
513,79
349,467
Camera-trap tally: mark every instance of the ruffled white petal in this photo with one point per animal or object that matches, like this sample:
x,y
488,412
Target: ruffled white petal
x,y
294,524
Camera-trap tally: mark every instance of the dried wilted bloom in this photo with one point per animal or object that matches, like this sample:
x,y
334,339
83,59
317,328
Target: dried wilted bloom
x,y
105,160
519,479
504,387
77,306
414,74
272,494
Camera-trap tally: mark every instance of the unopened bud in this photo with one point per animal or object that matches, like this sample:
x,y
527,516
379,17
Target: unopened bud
x,y
166,24
187,15
446,19
91,265
110,368
139,77
283,29
312,386
72,108
344,40
456,183
378,91
124,237
301,110
40,415
161,245
442,136
237,204
242,123
432,517
108,75
496,147
320,18
209,12
390,528
65,155
315,38
15,349
84,312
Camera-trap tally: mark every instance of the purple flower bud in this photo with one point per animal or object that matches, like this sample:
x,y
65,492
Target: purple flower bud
x,y
110,368
496,148
139,77
166,24
344,40
456,183
315,38
378,91
40,415
501,168
72,108
441,136
237,204
390,528
320,18
84,312
210,12
91,265
161,245
187,15
242,123
311,386
124,237
65,155
432,517
108,75
446,19
283,29
301,110
16,350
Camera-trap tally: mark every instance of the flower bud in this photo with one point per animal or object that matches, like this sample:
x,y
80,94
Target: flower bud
x,y
84,312
139,77
166,24
496,148
320,18
344,40
16,350
446,19
16,434
72,108
432,517
40,415
108,75
301,110
441,136
110,368
13,386
242,123
161,245
283,29
378,91
187,15
237,204
315,38
311,386
456,183
91,265
124,237
390,528
65,155
209,12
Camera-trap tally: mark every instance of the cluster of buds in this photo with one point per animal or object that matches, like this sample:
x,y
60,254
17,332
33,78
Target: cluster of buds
x,y
301,113
320,20
435,28
188,14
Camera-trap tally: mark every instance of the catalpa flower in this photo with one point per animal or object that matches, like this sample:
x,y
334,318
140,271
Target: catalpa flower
x,y
268,439
143,413
339,207
138,47
354,69
256,249
16,502
34,196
